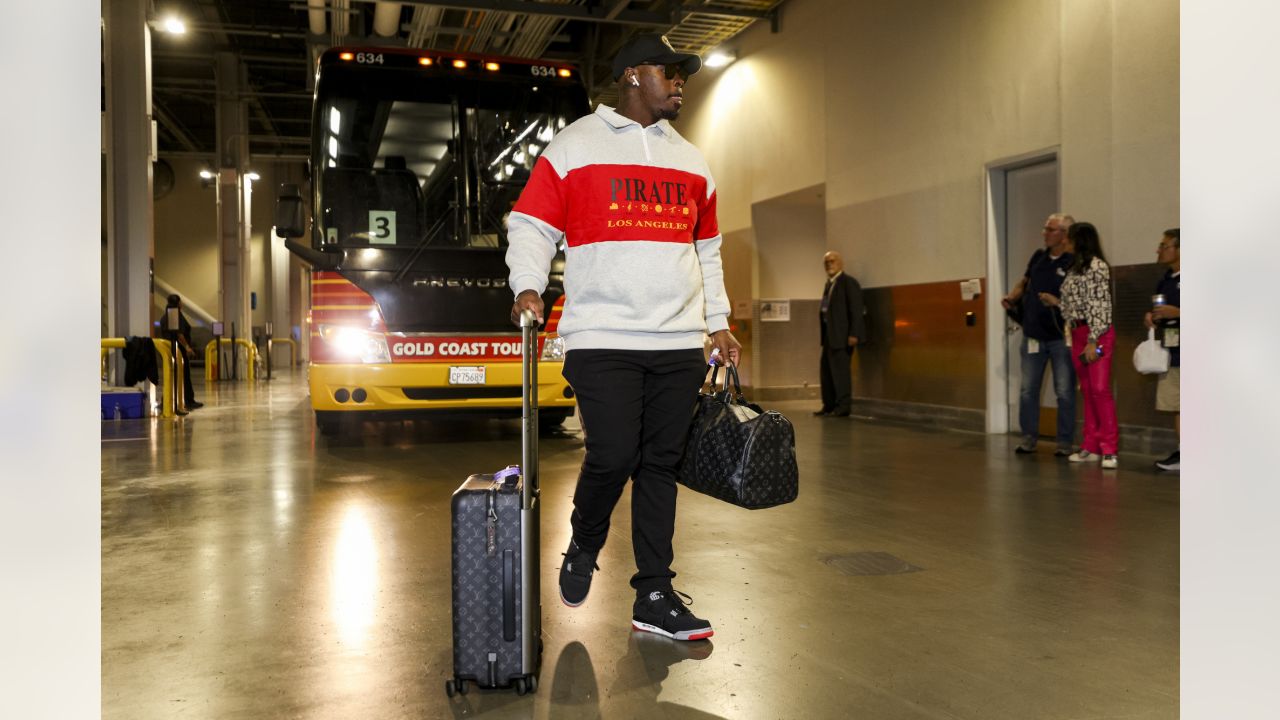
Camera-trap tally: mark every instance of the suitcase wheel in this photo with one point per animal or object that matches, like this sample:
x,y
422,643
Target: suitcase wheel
x,y
526,684
456,686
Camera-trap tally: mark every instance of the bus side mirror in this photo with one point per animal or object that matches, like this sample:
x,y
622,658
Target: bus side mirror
x,y
288,218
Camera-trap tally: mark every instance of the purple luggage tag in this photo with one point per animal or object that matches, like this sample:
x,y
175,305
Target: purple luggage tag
x,y
502,475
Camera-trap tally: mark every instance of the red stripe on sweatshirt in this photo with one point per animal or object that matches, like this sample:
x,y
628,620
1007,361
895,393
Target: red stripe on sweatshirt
x,y
708,226
606,203
543,195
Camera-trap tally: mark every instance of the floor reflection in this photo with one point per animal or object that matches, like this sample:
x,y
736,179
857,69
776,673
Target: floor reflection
x,y
354,579
251,569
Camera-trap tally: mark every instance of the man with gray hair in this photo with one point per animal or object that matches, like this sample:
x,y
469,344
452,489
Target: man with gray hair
x,y
1042,338
842,328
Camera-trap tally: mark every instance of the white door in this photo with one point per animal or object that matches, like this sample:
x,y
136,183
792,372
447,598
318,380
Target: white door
x,y
1031,195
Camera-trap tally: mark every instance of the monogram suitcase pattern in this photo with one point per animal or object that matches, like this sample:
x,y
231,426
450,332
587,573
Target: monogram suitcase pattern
x,y
497,608
487,584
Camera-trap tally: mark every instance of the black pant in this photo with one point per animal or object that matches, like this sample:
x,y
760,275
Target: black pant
x,y
187,388
837,385
636,408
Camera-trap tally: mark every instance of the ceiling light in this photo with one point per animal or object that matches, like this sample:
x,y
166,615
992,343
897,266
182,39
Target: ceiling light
x,y
253,175
719,58
174,26
206,174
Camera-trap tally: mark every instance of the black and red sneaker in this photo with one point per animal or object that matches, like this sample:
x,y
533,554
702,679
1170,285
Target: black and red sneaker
x,y
575,574
664,612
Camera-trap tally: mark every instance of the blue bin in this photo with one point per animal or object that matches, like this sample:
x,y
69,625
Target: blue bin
x,y
131,401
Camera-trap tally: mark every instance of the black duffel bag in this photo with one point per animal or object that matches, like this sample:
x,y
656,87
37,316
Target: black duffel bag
x,y
738,452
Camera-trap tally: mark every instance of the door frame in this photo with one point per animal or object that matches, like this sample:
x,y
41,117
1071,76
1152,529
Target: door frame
x,y
994,177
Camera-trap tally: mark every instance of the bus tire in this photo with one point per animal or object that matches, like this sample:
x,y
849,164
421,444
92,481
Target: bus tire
x,y
552,420
328,423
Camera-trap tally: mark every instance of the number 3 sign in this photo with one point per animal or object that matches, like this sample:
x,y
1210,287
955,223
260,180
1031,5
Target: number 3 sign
x,y
382,227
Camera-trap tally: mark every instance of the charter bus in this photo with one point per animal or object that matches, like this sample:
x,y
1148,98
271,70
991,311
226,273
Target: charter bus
x,y
416,159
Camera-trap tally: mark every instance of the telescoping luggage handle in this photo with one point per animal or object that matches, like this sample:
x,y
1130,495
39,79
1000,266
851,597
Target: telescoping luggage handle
x,y
529,412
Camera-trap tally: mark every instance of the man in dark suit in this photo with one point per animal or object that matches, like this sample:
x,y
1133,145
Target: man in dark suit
x,y
843,327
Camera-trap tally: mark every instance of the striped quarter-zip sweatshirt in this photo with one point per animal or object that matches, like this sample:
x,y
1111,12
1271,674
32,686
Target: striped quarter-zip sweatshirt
x,y
636,208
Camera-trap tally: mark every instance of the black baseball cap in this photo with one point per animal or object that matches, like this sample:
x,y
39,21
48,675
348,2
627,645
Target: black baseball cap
x,y
656,50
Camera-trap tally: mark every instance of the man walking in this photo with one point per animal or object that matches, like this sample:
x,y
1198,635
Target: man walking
x,y
636,205
843,327
1042,338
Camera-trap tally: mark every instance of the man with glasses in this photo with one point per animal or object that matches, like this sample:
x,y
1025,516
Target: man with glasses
x,y
636,206
1042,339
1165,319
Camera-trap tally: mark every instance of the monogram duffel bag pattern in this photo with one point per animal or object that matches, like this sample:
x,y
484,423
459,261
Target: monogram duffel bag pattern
x,y
738,452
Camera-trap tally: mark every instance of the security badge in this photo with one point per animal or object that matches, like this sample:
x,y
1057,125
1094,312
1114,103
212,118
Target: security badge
x,y
1033,346
1170,337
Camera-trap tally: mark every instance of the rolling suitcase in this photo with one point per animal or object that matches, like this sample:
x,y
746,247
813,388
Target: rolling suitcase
x,y
497,608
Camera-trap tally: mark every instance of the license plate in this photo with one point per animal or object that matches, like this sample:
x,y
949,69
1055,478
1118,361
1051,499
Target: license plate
x,y
466,375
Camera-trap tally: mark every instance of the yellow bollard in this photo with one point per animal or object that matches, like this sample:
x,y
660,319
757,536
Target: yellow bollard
x,y
211,357
164,350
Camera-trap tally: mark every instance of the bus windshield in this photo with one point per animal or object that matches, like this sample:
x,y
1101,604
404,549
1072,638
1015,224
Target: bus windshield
x,y
439,162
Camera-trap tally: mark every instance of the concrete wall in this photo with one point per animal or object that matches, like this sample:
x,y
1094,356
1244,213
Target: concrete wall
x,y
895,109
187,236
187,241
791,233
897,106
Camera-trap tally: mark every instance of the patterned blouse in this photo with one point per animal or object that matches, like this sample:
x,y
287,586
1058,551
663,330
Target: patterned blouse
x,y
1086,298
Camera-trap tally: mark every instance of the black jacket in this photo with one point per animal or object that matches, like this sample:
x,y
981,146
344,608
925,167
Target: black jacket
x,y
140,361
844,316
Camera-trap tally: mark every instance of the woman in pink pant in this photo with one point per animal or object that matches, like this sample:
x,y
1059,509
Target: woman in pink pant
x,y
1086,308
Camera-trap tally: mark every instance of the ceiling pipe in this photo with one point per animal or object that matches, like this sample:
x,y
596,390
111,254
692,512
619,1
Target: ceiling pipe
x,y
316,16
386,19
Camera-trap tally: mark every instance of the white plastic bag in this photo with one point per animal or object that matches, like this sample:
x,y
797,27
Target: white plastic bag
x,y
1149,357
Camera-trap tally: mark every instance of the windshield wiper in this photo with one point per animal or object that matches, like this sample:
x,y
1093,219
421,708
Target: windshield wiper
x,y
417,251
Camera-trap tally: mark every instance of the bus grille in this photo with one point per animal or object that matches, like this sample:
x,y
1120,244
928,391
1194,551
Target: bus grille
x,y
462,393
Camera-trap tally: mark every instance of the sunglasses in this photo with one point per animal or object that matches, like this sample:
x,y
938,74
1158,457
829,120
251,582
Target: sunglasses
x,y
671,70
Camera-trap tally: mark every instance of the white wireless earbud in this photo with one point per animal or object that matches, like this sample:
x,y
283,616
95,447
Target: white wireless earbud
x,y
634,81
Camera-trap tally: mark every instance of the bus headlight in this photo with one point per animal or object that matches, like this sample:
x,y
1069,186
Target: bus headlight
x,y
553,348
356,344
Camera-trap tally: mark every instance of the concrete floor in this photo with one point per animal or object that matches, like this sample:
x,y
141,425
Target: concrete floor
x,y
252,569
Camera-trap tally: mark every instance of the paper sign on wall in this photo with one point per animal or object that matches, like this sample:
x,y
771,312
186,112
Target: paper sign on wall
x,y
775,311
970,289
382,227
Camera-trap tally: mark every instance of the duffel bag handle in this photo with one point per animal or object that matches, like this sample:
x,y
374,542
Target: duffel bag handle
x,y
715,376
734,395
